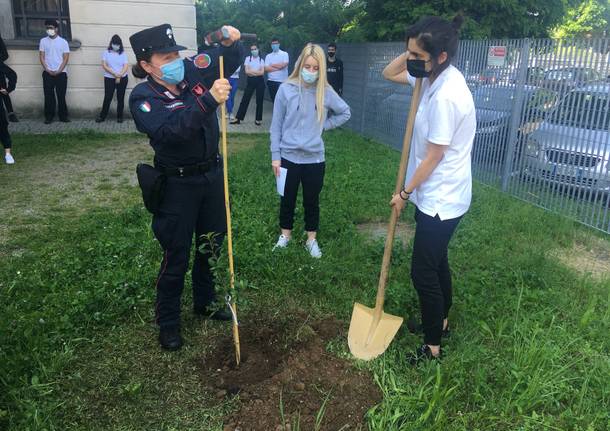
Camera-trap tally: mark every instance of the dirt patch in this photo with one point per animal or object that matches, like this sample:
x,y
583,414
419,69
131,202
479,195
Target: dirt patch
x,y
285,366
590,256
378,230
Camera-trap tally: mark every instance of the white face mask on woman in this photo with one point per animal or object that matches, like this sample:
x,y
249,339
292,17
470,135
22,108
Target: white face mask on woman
x,y
51,32
115,47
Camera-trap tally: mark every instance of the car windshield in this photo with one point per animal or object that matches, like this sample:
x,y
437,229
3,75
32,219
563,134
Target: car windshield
x,y
497,99
584,110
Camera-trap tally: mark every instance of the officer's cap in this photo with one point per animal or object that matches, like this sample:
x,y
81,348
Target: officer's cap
x,y
155,39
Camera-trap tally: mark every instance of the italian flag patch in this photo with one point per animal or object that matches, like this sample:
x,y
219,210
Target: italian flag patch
x,y
145,107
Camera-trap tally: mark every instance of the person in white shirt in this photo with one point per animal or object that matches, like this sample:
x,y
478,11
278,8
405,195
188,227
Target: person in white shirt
x,y
54,56
254,67
115,65
439,179
276,66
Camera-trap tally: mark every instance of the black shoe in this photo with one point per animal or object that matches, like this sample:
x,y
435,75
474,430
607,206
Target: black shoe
x,y
100,120
119,119
48,120
236,121
416,328
258,123
13,118
65,120
170,338
423,353
224,314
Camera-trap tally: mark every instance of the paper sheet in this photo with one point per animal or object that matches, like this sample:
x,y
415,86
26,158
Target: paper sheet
x,y
281,181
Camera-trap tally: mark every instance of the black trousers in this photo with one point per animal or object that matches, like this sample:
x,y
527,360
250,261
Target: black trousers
x,y
430,272
109,86
254,83
311,176
273,86
55,86
5,136
191,205
8,103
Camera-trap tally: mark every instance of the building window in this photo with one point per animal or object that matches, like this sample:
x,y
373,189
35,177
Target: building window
x,y
29,16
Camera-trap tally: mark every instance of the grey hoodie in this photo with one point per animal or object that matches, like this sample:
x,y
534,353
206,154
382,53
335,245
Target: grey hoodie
x,y
296,133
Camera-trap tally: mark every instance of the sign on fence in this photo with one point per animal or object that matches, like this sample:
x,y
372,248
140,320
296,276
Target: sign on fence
x,y
496,56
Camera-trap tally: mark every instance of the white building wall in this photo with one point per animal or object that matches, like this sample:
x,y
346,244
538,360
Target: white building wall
x,y
93,22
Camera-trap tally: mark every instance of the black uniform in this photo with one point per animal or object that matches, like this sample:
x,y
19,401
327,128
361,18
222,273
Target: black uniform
x,y
6,73
183,131
334,74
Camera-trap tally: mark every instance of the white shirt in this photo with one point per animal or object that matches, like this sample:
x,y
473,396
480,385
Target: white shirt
x,y
275,58
54,50
236,73
446,116
254,63
115,62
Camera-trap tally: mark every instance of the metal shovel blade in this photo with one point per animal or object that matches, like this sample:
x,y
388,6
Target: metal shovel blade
x,y
368,339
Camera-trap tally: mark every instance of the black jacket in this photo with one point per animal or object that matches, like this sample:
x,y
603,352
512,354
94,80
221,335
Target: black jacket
x,y
6,73
183,129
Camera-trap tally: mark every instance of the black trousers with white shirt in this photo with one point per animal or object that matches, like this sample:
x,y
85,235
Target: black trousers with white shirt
x,y
55,85
430,272
110,85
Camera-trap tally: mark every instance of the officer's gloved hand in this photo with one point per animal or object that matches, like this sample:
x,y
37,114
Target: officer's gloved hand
x,y
220,90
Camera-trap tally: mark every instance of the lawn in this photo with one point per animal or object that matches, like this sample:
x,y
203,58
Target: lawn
x,y
530,348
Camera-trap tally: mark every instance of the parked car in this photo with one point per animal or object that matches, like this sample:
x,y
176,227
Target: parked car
x,y
571,148
568,78
494,107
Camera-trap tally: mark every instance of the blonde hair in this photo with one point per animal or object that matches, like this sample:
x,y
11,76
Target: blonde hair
x,y
315,51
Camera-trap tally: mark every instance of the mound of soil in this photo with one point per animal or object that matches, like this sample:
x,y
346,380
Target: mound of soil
x,y
285,366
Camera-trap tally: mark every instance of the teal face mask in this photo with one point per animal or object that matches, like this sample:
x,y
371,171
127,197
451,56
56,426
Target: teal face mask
x,y
275,47
309,77
173,72
254,53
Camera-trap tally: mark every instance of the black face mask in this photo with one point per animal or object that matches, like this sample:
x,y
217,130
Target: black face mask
x,y
417,68
331,54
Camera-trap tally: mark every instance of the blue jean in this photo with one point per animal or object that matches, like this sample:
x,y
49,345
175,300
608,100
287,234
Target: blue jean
x,y
230,101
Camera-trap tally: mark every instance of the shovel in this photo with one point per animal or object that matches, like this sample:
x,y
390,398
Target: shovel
x,y
371,330
232,304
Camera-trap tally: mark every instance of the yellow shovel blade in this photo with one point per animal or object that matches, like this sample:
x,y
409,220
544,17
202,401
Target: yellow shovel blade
x,y
366,345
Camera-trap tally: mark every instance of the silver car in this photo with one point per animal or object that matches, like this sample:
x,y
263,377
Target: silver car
x,y
571,147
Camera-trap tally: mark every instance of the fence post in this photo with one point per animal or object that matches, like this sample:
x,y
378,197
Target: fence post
x,y
515,116
365,80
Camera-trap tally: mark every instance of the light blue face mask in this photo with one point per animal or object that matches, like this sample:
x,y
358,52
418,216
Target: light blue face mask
x,y
275,47
309,77
115,47
173,72
254,52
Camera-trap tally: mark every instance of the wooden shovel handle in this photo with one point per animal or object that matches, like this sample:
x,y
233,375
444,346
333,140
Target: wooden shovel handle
x,y
400,181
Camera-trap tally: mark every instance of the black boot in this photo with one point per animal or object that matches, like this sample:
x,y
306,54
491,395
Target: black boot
x,y
209,312
170,338
13,118
100,119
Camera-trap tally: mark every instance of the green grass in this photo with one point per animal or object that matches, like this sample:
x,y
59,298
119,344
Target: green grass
x,y
530,344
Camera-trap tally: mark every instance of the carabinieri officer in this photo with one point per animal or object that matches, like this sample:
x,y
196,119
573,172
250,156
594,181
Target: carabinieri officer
x,y
176,108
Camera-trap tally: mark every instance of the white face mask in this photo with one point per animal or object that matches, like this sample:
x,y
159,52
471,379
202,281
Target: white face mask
x,y
51,32
116,47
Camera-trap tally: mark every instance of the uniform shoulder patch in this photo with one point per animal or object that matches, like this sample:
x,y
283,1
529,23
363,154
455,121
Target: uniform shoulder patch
x,y
202,61
145,107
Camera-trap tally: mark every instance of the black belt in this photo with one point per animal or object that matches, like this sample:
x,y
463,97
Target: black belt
x,y
190,170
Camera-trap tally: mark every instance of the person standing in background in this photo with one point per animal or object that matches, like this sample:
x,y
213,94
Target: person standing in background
x,y
54,56
6,74
334,69
5,89
276,66
234,82
255,71
115,65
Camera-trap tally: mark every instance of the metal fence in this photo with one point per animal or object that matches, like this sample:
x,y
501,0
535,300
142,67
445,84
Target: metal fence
x,y
543,116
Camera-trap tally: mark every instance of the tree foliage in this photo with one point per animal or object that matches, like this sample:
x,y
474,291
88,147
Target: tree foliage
x,y
585,18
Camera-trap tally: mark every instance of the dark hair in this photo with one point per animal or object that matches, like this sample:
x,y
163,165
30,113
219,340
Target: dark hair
x,y
274,39
437,35
254,44
332,45
52,22
136,69
116,40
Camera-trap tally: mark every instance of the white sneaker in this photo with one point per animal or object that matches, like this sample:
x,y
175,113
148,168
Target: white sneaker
x,y
282,242
313,248
9,159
